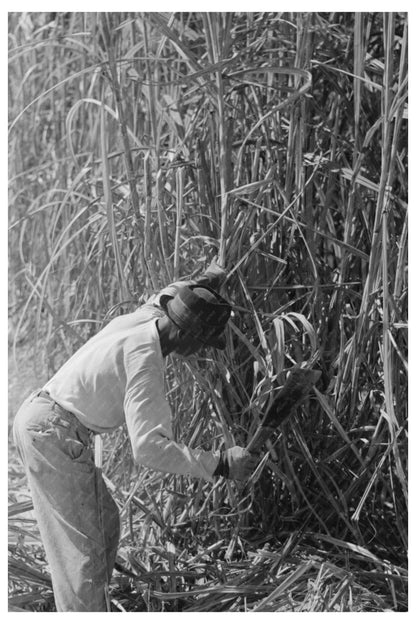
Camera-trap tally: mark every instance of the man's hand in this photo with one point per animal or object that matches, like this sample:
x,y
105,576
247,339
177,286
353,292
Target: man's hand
x,y
216,271
236,463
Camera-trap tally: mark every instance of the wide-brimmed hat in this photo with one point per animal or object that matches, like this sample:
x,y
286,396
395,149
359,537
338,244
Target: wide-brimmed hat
x,y
201,312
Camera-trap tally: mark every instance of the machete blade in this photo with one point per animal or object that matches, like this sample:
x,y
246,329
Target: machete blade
x,y
296,390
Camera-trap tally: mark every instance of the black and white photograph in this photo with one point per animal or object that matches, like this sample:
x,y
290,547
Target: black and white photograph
x,y
207,311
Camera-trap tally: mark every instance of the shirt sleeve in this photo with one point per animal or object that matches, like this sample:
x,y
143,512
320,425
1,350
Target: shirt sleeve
x,y
148,418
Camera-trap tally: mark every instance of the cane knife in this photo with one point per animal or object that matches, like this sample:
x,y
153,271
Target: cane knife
x,y
295,391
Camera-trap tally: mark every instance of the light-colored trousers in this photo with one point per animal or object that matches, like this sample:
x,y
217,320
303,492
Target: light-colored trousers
x,y
77,517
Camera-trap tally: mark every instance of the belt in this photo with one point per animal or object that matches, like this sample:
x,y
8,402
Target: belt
x,y
44,394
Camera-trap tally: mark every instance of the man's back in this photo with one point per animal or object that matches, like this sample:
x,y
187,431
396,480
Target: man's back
x,y
93,382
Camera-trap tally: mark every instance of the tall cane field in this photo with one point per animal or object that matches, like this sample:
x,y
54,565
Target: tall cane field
x,y
141,147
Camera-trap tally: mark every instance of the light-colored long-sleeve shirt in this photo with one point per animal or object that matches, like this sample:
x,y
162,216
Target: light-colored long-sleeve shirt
x,y
118,376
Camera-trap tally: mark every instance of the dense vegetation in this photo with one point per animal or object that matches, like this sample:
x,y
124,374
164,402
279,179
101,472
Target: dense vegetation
x,y
143,145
